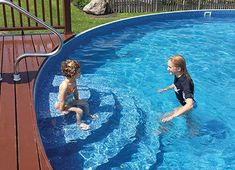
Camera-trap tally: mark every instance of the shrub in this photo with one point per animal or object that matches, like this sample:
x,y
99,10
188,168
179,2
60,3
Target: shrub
x,y
80,3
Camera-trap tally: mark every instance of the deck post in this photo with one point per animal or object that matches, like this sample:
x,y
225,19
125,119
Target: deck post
x,y
67,17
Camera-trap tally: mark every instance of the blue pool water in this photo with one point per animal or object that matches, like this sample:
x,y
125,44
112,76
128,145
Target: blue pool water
x,y
121,71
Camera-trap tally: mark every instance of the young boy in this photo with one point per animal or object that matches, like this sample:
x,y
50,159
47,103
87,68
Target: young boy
x,y
68,93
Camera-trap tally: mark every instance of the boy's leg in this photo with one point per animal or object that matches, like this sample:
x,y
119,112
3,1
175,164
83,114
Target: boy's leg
x,y
79,114
85,105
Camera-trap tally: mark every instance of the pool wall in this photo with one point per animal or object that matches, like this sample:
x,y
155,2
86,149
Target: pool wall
x,y
86,36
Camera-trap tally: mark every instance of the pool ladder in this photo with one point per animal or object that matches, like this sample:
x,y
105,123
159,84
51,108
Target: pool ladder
x,y
16,76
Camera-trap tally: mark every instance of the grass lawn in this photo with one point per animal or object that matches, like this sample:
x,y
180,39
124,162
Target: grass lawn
x,y
81,21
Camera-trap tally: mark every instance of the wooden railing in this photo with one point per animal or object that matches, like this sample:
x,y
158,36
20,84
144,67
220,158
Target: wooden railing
x,y
38,21
56,13
130,6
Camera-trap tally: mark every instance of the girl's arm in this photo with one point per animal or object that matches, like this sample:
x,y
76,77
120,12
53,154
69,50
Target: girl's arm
x,y
182,109
166,88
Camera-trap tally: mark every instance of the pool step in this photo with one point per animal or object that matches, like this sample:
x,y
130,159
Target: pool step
x,y
102,151
59,130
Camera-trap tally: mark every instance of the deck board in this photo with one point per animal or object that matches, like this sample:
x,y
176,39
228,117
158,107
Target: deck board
x,y
25,121
20,142
32,63
1,55
8,142
45,40
38,47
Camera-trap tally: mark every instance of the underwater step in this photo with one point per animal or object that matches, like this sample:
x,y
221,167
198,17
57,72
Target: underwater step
x,y
137,152
59,130
100,152
104,108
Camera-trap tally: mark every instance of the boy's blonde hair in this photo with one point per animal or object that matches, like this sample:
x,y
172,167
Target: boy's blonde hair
x,y
179,61
69,68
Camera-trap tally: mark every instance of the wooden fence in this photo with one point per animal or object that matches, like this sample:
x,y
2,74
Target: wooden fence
x,y
59,17
132,6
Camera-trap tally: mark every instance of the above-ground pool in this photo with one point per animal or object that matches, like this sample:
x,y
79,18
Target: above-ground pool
x,y
122,65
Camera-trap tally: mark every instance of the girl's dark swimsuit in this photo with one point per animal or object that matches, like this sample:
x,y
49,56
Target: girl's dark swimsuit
x,y
184,88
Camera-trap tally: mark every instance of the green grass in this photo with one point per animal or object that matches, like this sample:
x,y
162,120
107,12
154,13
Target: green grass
x,y
81,21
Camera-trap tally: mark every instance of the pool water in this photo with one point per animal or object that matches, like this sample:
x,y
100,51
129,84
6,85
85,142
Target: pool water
x,y
121,72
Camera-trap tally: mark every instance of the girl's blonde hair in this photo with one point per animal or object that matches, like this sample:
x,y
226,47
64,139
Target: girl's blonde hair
x,y
70,68
179,61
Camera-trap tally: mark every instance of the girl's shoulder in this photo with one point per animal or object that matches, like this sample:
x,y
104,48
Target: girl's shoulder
x,y
187,82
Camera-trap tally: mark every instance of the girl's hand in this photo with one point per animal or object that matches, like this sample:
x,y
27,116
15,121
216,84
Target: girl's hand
x,y
161,90
167,117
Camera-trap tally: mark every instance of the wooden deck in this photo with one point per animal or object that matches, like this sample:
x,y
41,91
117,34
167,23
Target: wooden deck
x,y
20,142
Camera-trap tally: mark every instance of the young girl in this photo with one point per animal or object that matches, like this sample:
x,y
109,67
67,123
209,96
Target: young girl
x,y
183,86
68,93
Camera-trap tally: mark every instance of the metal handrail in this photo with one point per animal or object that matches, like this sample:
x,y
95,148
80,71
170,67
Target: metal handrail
x,y
19,58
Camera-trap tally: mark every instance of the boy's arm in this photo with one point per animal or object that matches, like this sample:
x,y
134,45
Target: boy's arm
x,y
166,88
62,94
182,109
76,96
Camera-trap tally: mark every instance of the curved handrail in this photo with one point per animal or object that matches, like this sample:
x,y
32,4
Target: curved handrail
x,y
19,58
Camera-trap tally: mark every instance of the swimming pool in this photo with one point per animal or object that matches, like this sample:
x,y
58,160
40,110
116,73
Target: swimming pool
x,y
123,64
